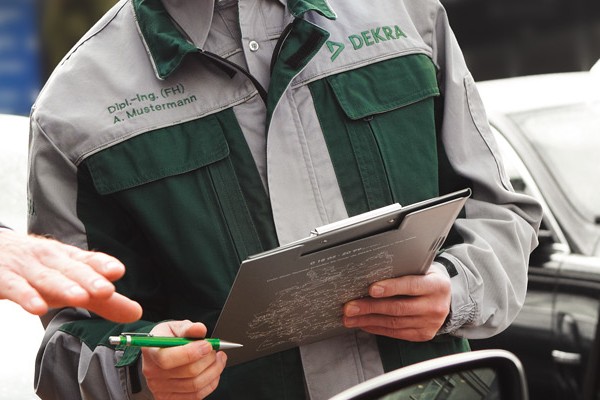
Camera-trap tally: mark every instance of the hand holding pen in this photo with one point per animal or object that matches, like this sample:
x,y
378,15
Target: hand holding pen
x,y
193,368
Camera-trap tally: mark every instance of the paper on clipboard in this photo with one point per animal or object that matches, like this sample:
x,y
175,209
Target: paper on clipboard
x,y
294,294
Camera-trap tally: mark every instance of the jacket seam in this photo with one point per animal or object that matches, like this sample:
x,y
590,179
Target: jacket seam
x,y
358,64
143,130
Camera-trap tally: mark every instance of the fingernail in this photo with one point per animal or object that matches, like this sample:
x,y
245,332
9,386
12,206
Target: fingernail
x,y
377,291
349,322
76,291
222,357
352,310
36,303
113,267
205,348
101,284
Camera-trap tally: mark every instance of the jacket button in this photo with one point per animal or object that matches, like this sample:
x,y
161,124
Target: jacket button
x,y
253,45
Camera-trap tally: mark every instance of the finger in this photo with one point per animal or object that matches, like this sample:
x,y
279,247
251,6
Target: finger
x,y
17,289
408,334
53,286
189,329
211,386
208,389
22,254
108,266
394,306
196,383
58,257
391,323
174,357
181,328
117,307
191,370
411,285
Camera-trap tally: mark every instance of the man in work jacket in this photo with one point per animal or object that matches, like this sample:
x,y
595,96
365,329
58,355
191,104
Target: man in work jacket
x,y
183,136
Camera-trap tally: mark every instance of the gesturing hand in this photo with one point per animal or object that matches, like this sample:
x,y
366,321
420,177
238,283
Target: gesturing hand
x,y
411,307
191,371
37,273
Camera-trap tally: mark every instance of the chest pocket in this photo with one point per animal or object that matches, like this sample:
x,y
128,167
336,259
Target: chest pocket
x,y
181,186
379,125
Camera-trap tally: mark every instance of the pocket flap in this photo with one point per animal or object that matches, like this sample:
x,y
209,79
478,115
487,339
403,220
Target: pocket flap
x,y
158,154
385,86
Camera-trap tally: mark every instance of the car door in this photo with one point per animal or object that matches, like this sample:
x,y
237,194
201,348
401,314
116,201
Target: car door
x,y
555,332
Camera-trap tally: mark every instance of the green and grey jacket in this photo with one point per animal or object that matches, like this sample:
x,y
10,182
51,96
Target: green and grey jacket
x,y
183,137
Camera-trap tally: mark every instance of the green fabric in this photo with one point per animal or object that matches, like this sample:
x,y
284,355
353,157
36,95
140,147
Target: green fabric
x,y
299,7
385,86
380,130
300,46
398,353
249,179
178,205
355,154
186,192
166,44
95,332
152,156
278,376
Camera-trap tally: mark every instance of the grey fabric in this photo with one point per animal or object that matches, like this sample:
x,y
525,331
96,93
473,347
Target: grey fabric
x,y
340,362
59,349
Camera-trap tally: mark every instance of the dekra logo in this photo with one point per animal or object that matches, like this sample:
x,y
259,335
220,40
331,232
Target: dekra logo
x,y
367,38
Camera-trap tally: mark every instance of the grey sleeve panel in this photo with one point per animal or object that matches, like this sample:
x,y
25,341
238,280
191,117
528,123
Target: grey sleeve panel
x,y
52,191
499,230
62,350
67,369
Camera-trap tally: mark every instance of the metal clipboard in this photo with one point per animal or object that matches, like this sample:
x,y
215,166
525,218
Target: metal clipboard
x,y
294,294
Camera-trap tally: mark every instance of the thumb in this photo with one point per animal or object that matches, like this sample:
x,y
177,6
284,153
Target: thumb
x,y
188,329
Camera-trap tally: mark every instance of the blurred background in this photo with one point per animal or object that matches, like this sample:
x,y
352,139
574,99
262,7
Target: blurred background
x,y
500,39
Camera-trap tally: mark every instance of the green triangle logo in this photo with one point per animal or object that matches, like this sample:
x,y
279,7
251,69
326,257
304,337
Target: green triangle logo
x,y
335,48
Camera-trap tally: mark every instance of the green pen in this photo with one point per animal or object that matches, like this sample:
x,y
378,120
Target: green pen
x,y
149,340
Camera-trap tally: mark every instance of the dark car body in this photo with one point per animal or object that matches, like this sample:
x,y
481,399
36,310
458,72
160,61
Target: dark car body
x,y
548,129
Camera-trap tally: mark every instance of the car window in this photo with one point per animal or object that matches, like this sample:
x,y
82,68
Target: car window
x,y
566,140
477,384
523,182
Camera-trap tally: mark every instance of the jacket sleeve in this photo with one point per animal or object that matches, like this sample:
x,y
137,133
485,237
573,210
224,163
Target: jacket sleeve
x,y
499,227
75,360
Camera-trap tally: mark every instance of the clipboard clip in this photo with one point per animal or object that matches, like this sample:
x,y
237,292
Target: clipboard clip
x,y
357,219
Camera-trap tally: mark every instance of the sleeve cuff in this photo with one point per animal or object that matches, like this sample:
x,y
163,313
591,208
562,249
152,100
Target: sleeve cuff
x,y
462,308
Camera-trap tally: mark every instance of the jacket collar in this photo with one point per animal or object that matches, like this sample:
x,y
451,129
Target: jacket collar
x,y
299,7
172,29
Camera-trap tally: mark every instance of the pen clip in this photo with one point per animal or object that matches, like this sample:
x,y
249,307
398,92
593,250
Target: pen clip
x,y
136,334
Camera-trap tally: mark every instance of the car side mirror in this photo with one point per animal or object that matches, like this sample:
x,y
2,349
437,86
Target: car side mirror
x,y
484,374
545,248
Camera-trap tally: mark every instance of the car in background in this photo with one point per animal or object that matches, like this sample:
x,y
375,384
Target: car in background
x,y
548,131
